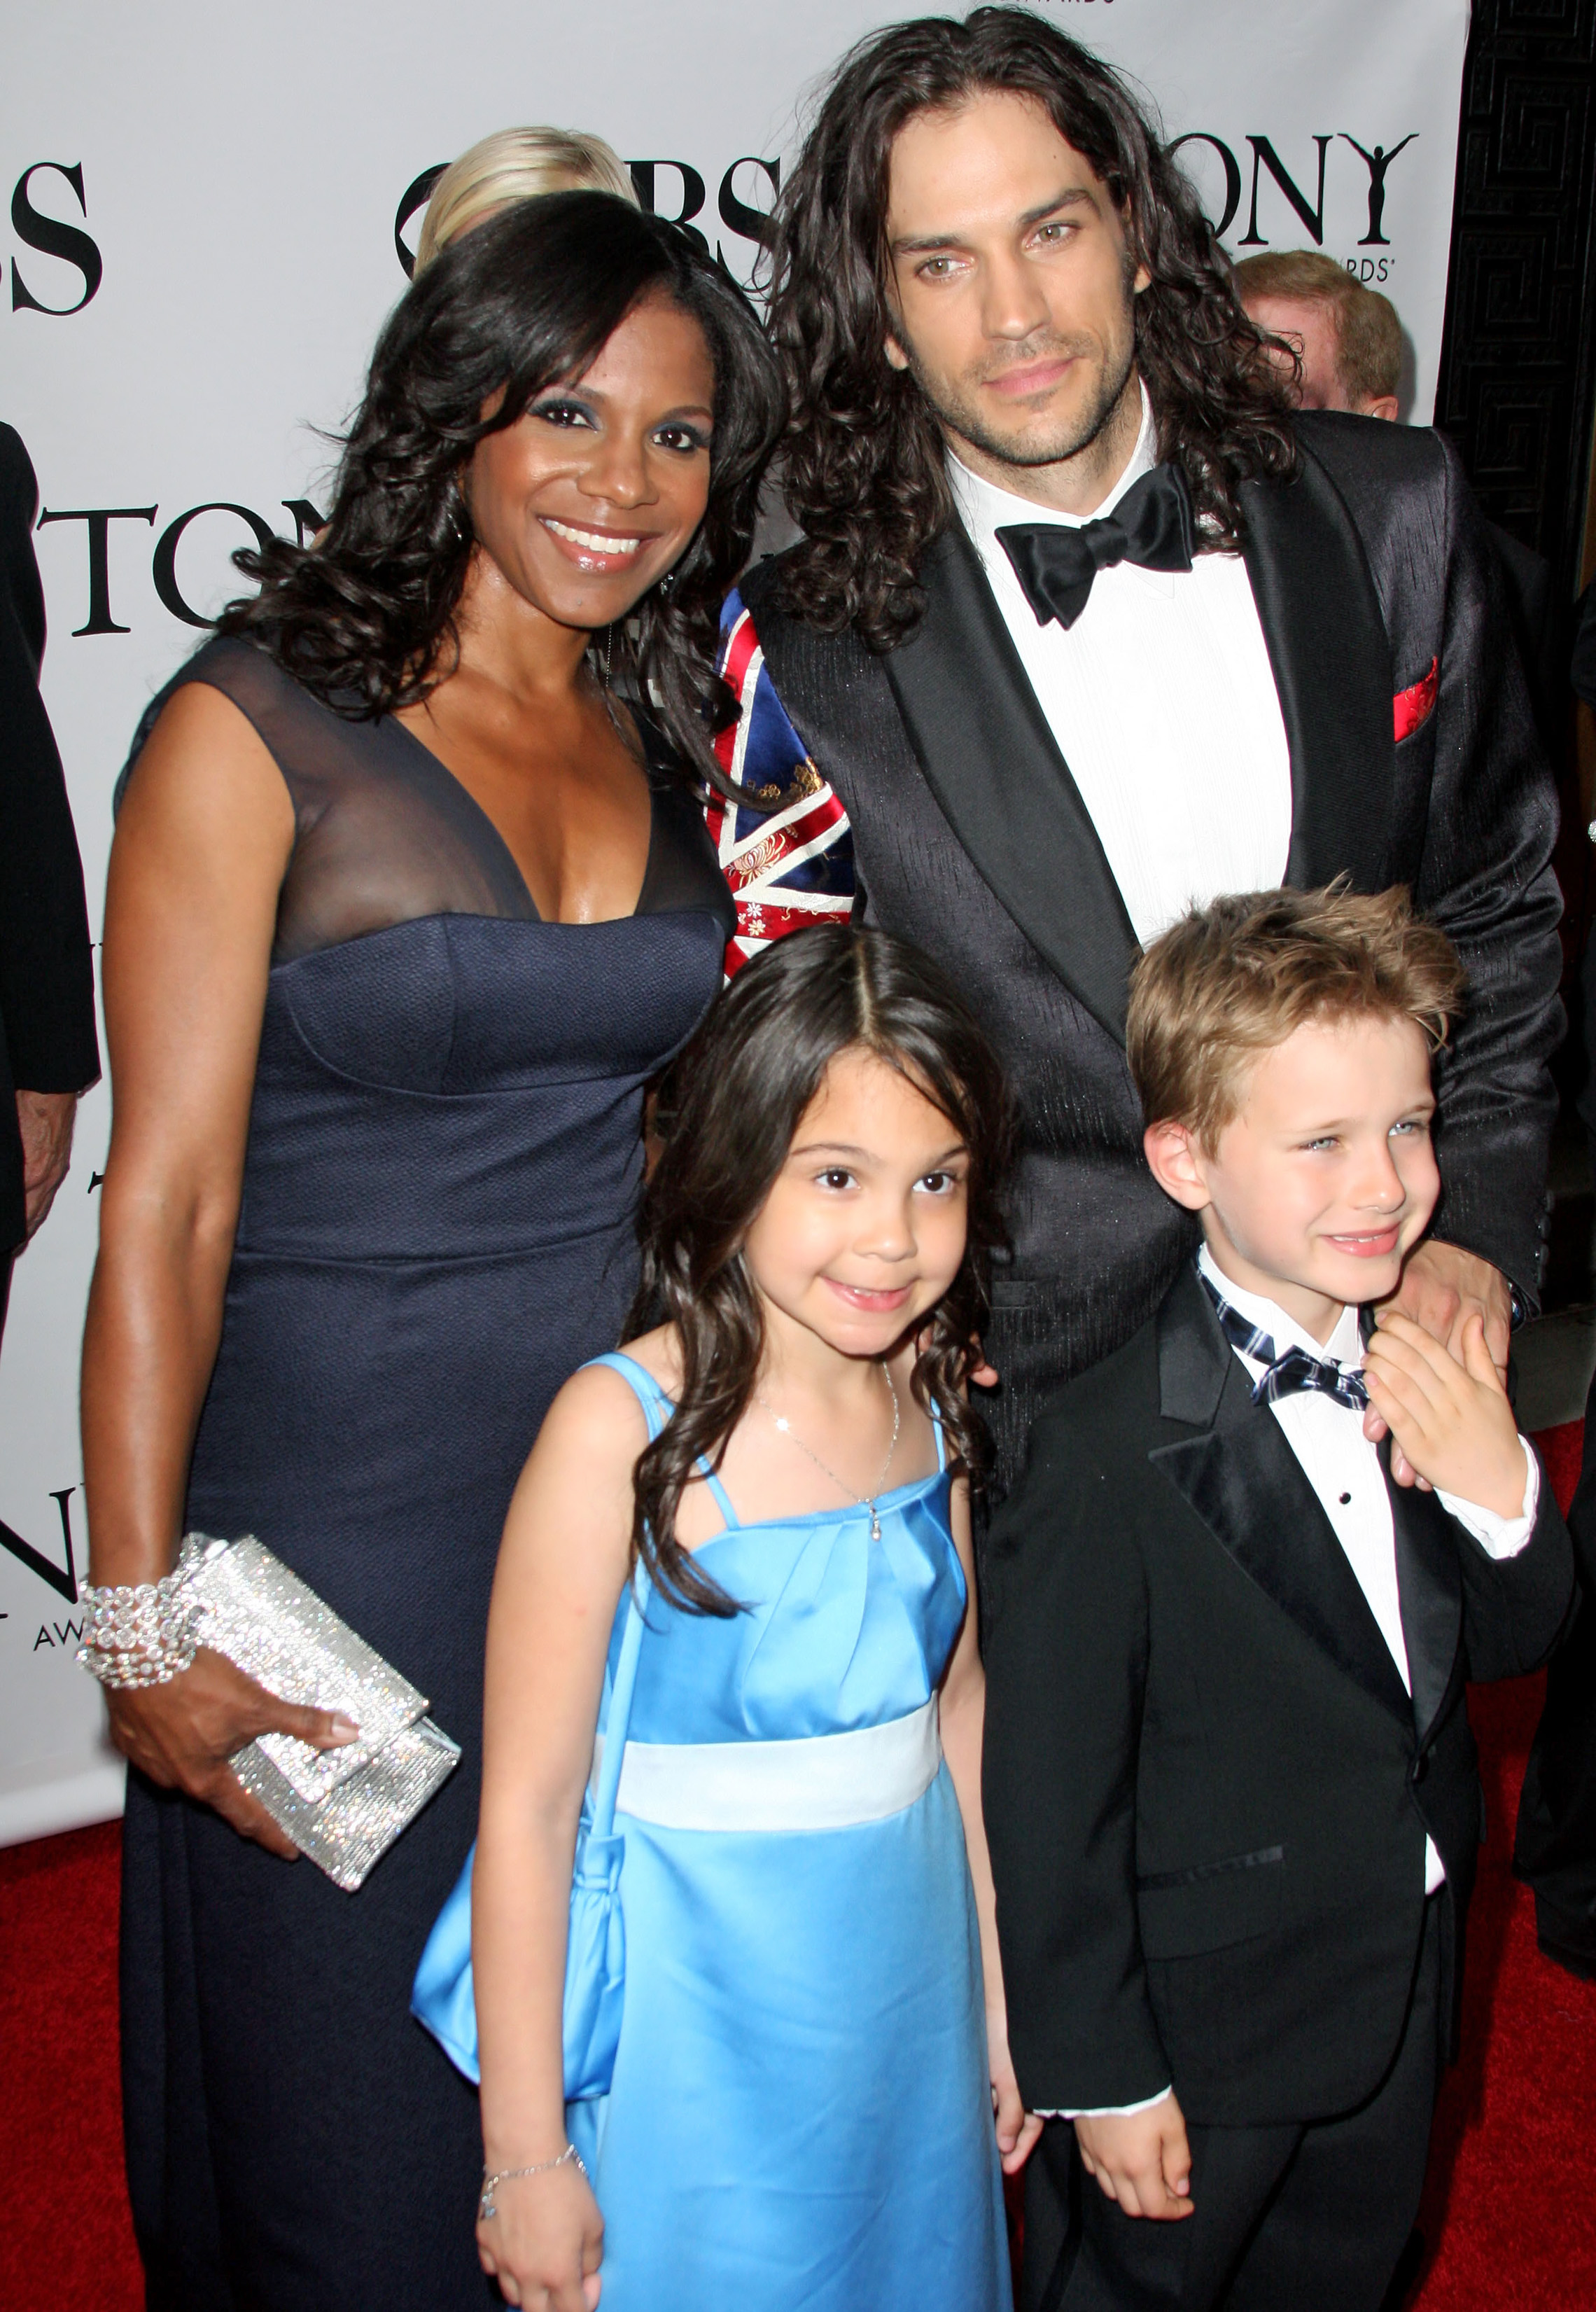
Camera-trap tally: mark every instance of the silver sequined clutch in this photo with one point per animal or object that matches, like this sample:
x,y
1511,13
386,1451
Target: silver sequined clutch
x,y
342,1808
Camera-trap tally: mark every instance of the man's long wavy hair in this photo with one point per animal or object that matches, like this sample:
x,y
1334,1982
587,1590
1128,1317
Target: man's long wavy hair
x,y
365,618
864,458
728,1113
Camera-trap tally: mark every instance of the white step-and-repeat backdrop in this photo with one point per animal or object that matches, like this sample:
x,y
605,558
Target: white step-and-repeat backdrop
x,y
204,204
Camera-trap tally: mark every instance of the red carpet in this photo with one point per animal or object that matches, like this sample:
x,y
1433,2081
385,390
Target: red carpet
x,y
1509,2212
67,2238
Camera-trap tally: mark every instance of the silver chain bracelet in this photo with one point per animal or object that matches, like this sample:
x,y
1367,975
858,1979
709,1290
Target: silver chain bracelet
x,y
141,1632
485,2206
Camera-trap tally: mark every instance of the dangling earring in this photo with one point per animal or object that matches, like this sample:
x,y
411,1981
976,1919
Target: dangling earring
x,y
667,584
460,520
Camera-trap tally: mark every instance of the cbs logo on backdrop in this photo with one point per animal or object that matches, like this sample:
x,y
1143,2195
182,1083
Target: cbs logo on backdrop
x,y
1293,206
674,189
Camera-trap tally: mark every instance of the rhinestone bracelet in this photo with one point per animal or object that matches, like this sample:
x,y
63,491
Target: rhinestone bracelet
x,y
142,1632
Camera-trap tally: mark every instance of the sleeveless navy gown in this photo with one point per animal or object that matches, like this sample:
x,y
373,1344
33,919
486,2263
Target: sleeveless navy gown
x,y
436,1230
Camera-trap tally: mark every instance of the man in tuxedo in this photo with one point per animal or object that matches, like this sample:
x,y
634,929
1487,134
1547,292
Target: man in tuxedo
x,y
1087,624
48,1049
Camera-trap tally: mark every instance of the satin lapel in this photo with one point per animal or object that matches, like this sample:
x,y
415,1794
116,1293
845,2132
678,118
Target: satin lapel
x,y
1246,1484
1430,1585
990,759
1332,666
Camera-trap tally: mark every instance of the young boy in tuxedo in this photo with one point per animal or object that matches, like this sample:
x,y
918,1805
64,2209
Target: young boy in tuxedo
x,y
1230,1792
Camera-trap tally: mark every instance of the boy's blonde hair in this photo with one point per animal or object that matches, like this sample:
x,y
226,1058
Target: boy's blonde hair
x,y
1234,979
514,165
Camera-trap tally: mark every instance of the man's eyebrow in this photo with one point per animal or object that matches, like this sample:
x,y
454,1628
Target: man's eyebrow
x,y
926,244
1072,196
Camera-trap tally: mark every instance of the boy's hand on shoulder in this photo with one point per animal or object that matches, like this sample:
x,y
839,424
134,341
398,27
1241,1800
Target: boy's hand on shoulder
x,y
1451,1418
1141,2159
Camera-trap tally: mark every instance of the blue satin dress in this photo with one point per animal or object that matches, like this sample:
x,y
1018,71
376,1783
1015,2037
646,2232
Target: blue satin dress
x,y
800,2119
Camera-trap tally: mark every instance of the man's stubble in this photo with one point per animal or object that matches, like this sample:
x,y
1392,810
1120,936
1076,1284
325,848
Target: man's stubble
x,y
963,419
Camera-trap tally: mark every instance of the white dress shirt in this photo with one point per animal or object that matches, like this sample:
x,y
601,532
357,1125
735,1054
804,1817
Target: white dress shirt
x,y
1344,1471
1163,703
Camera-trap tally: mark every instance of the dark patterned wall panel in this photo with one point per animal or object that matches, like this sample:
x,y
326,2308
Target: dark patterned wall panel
x,y
1518,361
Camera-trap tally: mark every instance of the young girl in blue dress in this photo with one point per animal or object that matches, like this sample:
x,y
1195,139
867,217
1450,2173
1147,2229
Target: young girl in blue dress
x,y
811,2089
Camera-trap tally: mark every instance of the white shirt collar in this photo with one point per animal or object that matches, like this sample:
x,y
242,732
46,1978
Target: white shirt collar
x,y
984,507
1343,1347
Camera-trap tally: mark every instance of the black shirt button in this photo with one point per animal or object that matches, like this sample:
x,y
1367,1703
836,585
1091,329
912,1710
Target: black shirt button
x,y
1344,1498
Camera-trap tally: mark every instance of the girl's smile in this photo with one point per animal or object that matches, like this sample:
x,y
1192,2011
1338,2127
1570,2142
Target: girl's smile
x,y
861,1296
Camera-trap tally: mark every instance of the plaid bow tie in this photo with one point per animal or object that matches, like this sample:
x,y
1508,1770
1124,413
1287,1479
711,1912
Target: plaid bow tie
x,y
1288,1374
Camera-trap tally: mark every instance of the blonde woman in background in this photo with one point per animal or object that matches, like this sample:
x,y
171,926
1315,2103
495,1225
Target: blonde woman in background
x,y
513,165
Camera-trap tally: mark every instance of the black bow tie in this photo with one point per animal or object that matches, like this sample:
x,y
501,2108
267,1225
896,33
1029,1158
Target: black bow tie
x,y
1151,525
1288,1374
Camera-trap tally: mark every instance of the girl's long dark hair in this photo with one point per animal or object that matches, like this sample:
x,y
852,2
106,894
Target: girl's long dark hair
x,y
526,298
864,460
729,1110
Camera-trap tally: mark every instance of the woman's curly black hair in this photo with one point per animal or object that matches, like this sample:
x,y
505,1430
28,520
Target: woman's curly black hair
x,y
728,1113
526,298
863,462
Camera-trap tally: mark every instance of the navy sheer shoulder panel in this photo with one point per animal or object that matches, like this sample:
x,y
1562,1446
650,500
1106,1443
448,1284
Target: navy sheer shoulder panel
x,y
682,872
385,833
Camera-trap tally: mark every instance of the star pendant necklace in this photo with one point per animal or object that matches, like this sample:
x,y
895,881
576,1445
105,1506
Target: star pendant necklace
x,y
860,1501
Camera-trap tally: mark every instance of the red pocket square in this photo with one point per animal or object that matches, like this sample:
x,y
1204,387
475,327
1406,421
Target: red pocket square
x,y
1413,707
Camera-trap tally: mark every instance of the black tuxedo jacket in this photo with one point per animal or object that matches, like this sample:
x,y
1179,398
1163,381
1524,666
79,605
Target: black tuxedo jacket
x,y
1381,602
1207,1792
47,1040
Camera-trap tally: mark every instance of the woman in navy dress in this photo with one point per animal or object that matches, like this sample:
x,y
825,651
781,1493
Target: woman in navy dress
x,y
410,897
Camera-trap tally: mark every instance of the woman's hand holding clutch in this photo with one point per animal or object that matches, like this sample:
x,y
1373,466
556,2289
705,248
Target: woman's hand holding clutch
x,y
182,1733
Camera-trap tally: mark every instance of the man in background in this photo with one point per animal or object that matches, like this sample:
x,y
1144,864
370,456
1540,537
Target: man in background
x,y
1348,344
49,1053
1348,337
